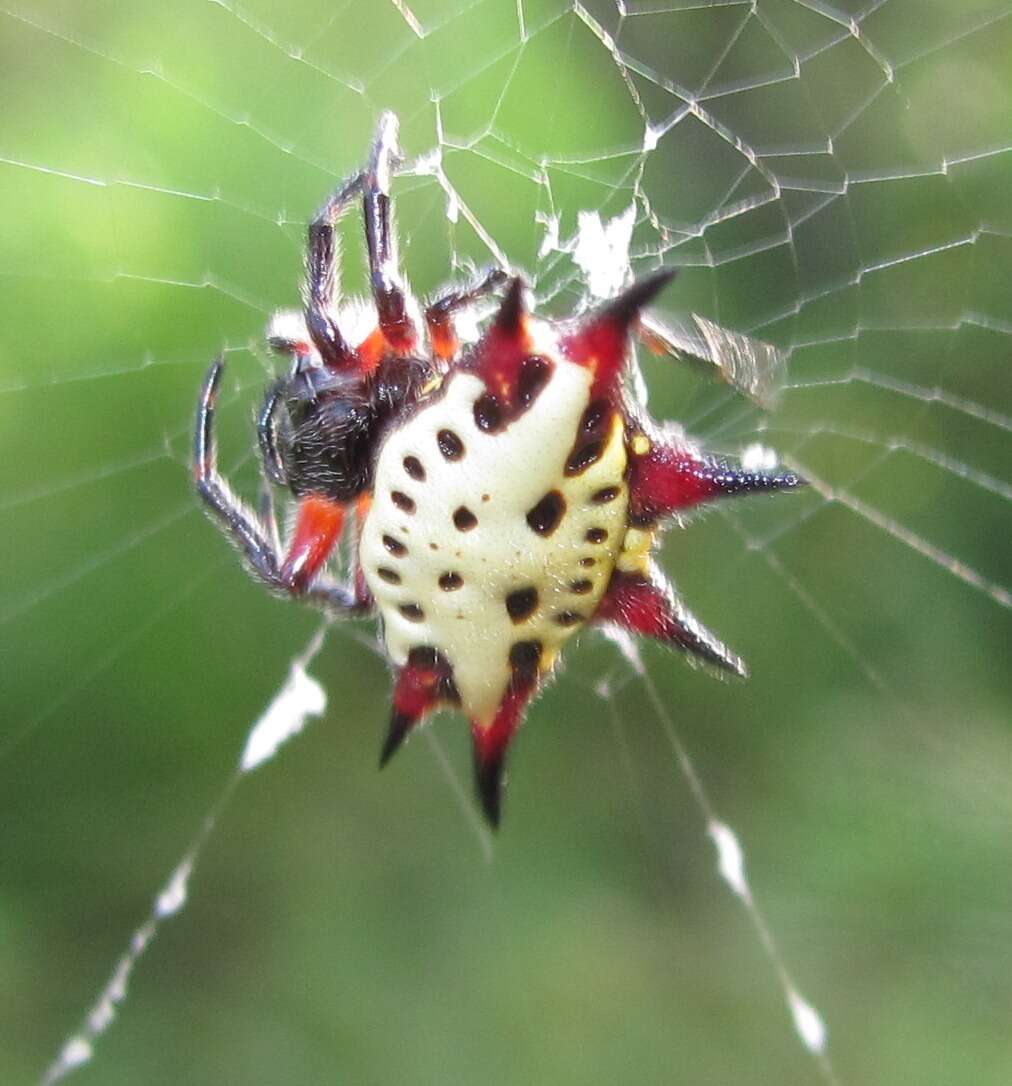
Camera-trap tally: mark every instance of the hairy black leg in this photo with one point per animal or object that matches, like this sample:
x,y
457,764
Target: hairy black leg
x,y
268,515
284,345
234,519
439,313
253,539
387,287
267,432
461,297
321,276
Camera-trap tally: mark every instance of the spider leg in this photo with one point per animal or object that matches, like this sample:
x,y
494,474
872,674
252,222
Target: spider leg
x,y
321,277
268,515
267,432
256,541
362,592
234,518
388,290
318,527
287,333
440,313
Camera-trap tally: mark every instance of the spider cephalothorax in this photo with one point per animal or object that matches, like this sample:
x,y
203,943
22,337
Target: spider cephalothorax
x,y
320,426
506,493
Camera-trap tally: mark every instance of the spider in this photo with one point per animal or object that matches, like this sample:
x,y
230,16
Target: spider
x,y
504,493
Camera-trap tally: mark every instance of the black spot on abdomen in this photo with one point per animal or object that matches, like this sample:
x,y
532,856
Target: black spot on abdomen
x,y
487,413
431,659
534,375
413,466
522,603
450,445
463,519
567,618
525,656
590,437
583,456
426,657
544,518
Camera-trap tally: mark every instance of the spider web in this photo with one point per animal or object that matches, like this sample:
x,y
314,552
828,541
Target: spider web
x,y
829,177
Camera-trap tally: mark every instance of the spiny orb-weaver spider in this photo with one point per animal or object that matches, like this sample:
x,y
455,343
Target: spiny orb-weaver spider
x,y
505,493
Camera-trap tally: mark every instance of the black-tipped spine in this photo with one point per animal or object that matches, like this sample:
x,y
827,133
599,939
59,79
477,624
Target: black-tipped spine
x,y
510,316
628,305
400,725
489,773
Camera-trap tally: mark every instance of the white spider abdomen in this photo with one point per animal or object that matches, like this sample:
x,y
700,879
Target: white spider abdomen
x,y
478,540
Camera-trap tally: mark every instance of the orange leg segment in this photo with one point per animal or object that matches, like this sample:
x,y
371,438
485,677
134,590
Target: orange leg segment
x,y
317,530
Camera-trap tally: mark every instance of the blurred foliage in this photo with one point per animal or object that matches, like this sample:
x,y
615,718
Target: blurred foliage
x,y
157,166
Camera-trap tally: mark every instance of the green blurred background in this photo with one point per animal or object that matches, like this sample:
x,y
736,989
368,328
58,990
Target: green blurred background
x,y
844,194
